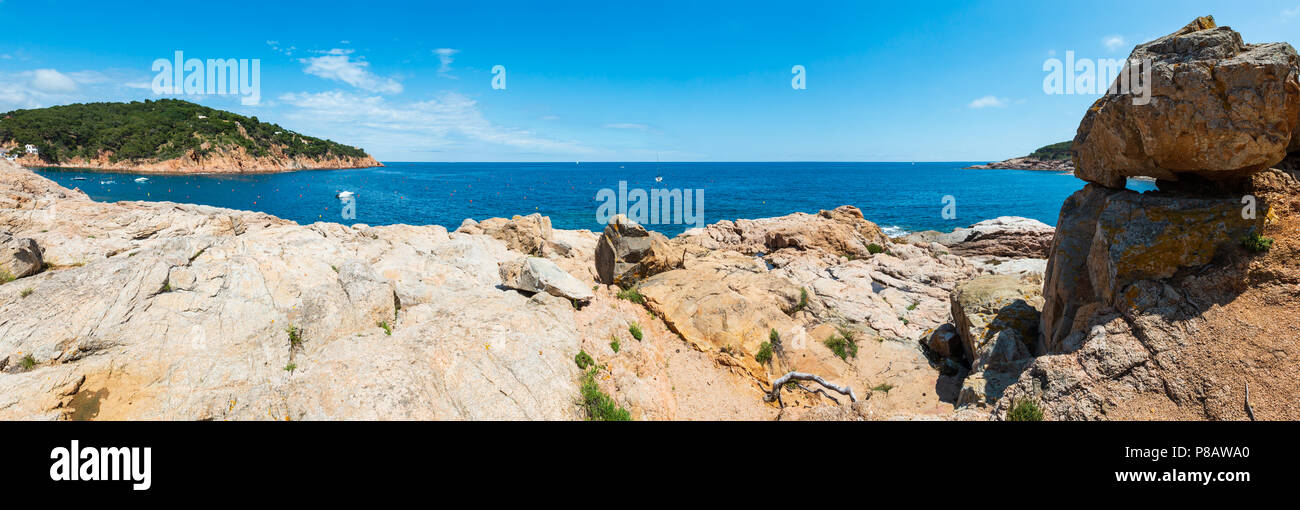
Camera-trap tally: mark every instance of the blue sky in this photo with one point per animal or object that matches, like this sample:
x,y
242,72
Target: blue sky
x,y
618,81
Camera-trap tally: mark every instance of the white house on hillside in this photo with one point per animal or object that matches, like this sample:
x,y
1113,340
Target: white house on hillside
x,y
31,149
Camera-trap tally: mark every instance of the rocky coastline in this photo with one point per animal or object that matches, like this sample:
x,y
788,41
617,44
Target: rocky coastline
x,y
1174,304
222,162
1027,163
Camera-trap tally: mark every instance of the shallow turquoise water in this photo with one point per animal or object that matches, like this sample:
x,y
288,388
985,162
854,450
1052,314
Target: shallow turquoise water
x,y
903,196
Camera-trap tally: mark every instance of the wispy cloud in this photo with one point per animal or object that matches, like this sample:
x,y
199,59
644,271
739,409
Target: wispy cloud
x,y
1291,13
1113,42
628,125
444,60
988,101
51,80
451,120
338,65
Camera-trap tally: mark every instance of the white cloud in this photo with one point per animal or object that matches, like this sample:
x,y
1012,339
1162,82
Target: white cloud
x,y
988,101
628,125
1291,13
50,80
452,120
1113,42
338,65
444,60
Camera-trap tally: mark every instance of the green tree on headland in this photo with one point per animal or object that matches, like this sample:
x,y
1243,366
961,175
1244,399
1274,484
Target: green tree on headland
x,y
154,131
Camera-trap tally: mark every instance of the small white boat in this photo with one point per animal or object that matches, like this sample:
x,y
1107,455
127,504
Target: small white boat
x,y
141,180
344,194
659,178
79,178
105,183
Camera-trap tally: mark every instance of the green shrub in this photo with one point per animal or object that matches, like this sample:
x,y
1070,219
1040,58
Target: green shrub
x,y
774,337
295,335
167,287
633,295
290,367
842,346
583,359
764,354
27,362
874,248
635,329
6,276
598,405
613,344
1024,409
384,326
912,306
1257,243
885,387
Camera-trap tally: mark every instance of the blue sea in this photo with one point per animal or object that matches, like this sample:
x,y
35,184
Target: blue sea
x,y
900,197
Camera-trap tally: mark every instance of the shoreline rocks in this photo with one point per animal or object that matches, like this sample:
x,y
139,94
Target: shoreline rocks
x,y
1027,163
1005,236
19,258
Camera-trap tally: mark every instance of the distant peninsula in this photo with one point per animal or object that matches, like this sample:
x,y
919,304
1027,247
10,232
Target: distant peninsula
x,y
1054,157
164,136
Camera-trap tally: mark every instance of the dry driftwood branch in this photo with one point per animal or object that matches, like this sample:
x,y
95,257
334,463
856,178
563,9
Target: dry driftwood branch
x,y
1249,412
775,393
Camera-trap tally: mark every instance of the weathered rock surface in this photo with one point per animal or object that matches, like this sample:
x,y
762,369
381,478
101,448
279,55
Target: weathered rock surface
x,y
839,232
536,274
996,317
183,315
628,253
19,257
1220,109
1108,240
1154,311
1005,236
524,234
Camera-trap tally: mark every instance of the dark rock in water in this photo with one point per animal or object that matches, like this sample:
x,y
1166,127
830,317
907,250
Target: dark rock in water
x,y
1218,108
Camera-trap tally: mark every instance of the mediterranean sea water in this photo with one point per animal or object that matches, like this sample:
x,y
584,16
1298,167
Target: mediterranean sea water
x,y
900,197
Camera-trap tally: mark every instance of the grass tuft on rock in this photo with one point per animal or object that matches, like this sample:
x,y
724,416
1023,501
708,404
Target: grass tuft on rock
x,y
295,335
613,344
1024,409
842,345
388,330
874,248
635,330
1256,243
803,300
598,405
633,294
583,360
6,276
764,354
27,362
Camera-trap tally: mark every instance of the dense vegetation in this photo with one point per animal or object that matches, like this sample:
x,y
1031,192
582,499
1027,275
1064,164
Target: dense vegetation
x,y
153,131
1056,151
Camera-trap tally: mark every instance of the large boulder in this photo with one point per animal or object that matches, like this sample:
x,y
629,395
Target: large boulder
x,y
536,274
1107,240
996,317
529,235
628,253
1219,108
18,257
